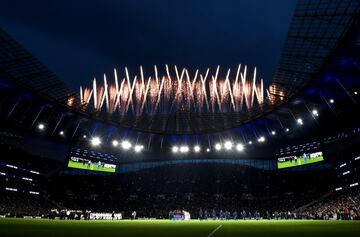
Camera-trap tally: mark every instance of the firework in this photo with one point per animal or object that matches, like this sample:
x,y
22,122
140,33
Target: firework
x,y
171,92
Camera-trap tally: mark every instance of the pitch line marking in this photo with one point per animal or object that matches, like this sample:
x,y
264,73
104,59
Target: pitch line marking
x,y
213,232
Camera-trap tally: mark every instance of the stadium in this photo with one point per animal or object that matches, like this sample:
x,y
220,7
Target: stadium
x,y
136,128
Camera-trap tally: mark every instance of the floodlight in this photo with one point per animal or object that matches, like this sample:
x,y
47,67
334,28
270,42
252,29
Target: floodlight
x,y
299,121
138,148
239,147
197,148
315,112
115,143
95,141
218,146
175,149
41,126
261,139
126,145
228,145
184,149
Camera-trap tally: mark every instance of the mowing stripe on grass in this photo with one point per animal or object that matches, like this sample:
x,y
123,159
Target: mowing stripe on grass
x,y
213,232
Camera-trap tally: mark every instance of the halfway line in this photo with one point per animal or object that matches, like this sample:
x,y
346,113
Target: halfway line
x,y
213,232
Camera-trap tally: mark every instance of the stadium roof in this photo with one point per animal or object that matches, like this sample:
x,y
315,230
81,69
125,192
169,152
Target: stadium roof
x,y
315,31
24,69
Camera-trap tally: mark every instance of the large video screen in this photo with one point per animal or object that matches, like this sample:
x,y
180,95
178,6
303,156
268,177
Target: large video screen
x,y
305,159
86,164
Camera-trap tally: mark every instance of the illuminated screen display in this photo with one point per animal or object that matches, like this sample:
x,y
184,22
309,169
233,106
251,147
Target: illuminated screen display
x,y
85,164
294,161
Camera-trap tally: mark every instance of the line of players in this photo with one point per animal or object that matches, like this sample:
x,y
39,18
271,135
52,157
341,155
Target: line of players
x,y
226,215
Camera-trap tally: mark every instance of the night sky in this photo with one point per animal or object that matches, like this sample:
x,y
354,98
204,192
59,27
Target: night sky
x,y
81,39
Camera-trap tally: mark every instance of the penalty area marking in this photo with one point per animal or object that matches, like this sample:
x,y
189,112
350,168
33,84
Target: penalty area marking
x,y
213,232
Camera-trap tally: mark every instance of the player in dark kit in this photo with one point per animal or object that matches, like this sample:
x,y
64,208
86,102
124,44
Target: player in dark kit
x,y
214,214
227,215
268,215
235,215
257,215
243,215
171,215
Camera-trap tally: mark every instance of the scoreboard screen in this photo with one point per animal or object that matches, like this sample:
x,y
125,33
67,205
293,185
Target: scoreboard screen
x,y
87,164
87,159
299,160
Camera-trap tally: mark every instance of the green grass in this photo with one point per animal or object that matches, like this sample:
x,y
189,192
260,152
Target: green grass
x,y
300,161
293,228
93,166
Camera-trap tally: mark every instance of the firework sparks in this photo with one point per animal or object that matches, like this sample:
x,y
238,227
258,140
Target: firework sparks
x,y
167,93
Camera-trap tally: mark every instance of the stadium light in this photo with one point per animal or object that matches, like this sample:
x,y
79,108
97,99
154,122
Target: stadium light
x,y
261,139
84,136
61,133
355,92
287,129
138,148
315,113
95,141
273,132
218,146
41,126
239,147
332,101
228,145
207,149
175,149
115,143
126,145
184,149
197,148
250,142
300,121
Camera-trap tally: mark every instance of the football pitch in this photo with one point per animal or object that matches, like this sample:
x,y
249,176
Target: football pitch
x,y
293,228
